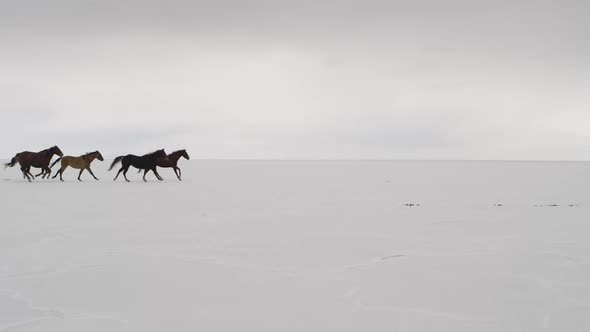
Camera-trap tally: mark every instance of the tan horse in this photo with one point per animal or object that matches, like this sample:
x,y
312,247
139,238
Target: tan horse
x,y
81,163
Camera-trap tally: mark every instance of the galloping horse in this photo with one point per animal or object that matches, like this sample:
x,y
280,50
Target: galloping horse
x,y
146,162
41,160
171,161
82,162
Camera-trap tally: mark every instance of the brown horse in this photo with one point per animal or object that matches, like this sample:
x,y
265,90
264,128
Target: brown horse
x,y
171,161
82,163
41,160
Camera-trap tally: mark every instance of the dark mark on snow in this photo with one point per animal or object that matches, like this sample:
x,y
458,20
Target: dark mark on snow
x,y
553,205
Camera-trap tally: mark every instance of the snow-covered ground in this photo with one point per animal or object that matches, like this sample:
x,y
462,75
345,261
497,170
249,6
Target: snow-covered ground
x,y
300,246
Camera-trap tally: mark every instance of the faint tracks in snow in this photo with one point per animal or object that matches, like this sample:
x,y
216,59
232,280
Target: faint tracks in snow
x,y
376,261
353,296
41,313
32,274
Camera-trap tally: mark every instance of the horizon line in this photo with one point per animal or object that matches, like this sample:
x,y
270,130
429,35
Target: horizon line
x,y
371,160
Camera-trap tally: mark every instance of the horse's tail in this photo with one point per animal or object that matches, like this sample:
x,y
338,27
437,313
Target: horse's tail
x,y
116,161
12,162
55,162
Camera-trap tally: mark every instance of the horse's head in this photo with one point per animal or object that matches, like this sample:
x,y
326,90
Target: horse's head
x,y
57,151
185,155
99,156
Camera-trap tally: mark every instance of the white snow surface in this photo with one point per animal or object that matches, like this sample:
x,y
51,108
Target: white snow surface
x,y
300,246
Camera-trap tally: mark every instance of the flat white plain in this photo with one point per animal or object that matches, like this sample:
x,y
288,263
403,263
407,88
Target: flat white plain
x,y
300,246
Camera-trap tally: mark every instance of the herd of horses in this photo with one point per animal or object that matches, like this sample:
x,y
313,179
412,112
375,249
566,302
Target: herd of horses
x,y
147,162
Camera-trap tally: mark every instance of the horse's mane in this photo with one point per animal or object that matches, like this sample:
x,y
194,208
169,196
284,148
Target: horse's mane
x,y
88,154
47,150
153,153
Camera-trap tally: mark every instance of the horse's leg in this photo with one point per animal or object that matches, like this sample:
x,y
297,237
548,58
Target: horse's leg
x,y
29,173
42,174
47,171
145,173
79,175
60,172
119,172
25,175
24,170
89,170
155,170
125,173
177,171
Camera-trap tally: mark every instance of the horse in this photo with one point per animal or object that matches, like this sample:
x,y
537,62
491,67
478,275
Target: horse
x,y
171,161
146,162
41,159
82,163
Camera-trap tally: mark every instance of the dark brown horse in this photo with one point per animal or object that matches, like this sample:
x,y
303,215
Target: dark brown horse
x,y
41,160
171,161
146,162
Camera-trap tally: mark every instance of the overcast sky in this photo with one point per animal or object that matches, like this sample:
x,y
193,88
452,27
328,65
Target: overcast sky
x,y
298,79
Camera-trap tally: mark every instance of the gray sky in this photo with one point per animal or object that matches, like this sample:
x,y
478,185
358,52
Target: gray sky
x,y
298,79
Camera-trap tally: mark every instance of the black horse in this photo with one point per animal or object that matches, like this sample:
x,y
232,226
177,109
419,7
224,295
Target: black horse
x,y
146,162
